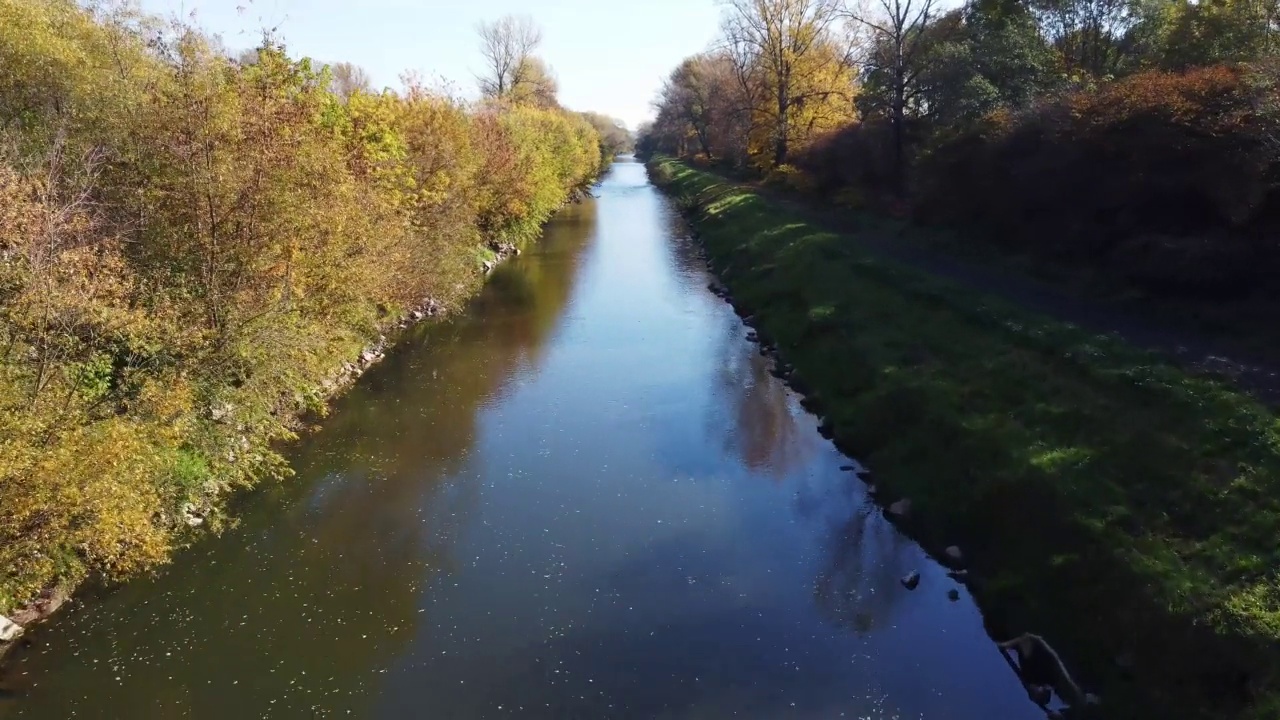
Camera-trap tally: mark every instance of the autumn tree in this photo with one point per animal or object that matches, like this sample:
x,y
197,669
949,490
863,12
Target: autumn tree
x,y
534,83
787,59
666,133
615,139
697,108
65,71
508,46
689,95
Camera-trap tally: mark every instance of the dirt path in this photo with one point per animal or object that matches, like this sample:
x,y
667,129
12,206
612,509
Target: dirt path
x,y
1139,324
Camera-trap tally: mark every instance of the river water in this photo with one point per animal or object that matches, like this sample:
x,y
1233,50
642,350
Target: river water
x,y
584,498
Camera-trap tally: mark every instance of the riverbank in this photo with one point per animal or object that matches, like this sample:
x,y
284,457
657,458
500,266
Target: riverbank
x,y
1233,339
16,621
1103,499
198,251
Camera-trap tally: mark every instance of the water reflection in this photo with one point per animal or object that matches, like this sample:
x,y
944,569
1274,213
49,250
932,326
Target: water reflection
x,y
858,586
763,430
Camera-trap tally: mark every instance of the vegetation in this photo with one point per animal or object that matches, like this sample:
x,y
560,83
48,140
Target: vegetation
x,y
514,74
192,246
780,79
1169,179
1104,499
1130,137
513,71
615,138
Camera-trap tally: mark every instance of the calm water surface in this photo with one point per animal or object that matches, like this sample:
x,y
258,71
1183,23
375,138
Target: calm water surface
x,y
586,498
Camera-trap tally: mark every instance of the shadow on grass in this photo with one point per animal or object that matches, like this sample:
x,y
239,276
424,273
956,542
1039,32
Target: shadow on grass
x,y
1110,502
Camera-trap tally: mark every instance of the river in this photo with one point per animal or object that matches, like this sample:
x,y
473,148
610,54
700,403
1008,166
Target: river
x,y
586,497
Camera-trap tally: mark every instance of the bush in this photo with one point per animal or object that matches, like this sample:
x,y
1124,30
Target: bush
x,y
1168,178
791,179
858,155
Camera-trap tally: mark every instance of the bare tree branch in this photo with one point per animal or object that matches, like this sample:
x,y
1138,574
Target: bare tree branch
x,y
507,46
897,30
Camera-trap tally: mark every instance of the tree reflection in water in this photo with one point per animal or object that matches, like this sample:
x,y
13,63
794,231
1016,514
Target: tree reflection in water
x,y
763,431
858,586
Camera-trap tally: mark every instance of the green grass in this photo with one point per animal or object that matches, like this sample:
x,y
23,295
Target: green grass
x,y
1106,500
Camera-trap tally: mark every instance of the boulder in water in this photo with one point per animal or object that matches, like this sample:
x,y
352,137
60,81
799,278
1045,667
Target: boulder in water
x,y
901,508
912,580
9,630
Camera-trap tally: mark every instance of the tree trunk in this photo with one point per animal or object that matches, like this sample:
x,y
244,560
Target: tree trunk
x,y
782,127
702,140
899,150
899,122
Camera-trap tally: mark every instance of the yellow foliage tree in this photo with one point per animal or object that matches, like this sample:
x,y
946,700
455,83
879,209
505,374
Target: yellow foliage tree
x,y
793,75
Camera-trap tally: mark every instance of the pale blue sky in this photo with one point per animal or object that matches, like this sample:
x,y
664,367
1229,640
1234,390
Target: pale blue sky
x,y
610,56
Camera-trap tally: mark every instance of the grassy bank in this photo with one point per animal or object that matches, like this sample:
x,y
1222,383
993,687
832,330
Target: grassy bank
x,y
1120,508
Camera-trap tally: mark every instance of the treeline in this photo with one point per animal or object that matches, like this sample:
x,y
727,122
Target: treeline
x,y
191,248
1136,136
515,75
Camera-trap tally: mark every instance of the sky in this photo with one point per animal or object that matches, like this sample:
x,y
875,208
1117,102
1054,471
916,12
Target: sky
x,y
610,56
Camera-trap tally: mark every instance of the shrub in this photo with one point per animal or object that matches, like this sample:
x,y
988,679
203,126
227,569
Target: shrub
x,y
858,155
791,179
1097,177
